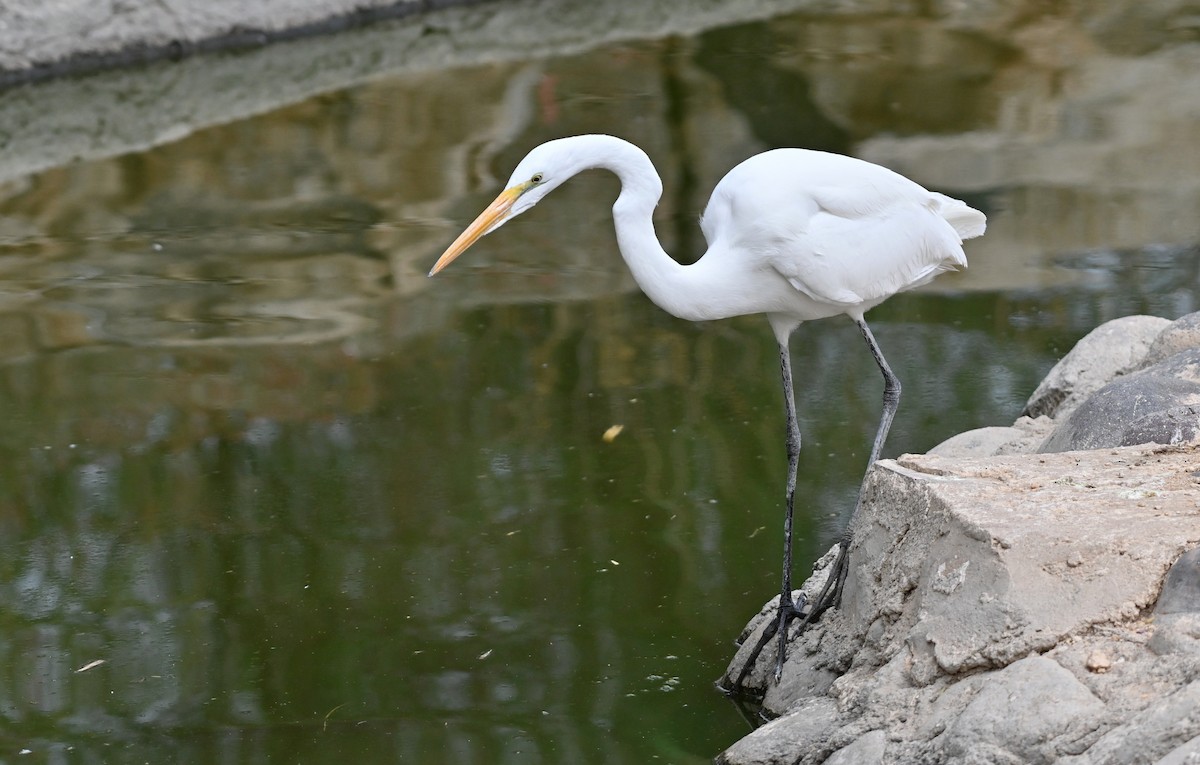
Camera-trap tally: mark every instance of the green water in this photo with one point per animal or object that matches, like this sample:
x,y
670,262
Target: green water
x,y
307,505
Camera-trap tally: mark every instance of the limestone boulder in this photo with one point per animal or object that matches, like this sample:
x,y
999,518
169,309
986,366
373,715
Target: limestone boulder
x,y
1110,350
1022,437
999,610
1156,404
1179,335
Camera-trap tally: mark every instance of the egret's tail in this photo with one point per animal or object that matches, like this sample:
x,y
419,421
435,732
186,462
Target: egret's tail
x,y
967,221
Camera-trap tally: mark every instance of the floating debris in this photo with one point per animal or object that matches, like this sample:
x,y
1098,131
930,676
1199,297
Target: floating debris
x,y
325,721
90,665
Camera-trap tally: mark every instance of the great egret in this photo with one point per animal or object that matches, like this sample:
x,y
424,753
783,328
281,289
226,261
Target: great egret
x,y
794,234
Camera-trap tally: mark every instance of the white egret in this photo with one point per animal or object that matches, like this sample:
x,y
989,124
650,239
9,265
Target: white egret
x,y
794,234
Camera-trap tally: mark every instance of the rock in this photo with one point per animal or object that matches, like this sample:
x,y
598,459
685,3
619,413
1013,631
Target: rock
x,y
1176,634
1175,425
981,442
998,603
1024,437
1152,733
977,562
1114,348
810,681
1129,377
1098,661
1034,431
1021,711
777,742
867,749
1187,753
1159,404
1179,335
995,612
1181,590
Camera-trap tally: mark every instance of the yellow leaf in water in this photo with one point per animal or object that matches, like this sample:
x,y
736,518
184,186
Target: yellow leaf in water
x,y
611,434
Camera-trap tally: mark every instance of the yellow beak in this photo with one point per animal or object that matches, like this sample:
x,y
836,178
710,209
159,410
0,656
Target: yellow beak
x,y
495,213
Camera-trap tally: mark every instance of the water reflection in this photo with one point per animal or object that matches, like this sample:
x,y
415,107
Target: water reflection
x,y
306,504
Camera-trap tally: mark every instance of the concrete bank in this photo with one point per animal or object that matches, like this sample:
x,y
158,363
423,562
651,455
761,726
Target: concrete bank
x,y
1006,602
119,108
48,39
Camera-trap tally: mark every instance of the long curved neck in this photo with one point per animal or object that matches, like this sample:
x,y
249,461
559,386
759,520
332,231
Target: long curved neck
x,y
675,288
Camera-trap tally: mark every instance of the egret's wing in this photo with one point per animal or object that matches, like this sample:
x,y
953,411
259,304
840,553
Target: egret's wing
x,y
856,249
842,231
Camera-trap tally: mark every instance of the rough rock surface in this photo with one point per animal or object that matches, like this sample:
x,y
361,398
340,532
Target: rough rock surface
x,y
999,611
1114,348
999,604
1130,381
1180,335
1181,590
39,32
1159,403
1024,436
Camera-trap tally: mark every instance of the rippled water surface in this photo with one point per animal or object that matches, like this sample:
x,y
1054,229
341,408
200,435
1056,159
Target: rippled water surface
x,y
269,494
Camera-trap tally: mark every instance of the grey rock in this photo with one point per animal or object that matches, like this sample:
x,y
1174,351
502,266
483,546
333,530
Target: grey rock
x,y
1023,710
981,442
867,749
1034,432
1153,405
1181,590
983,753
1152,733
41,33
978,562
1023,437
777,742
1176,425
992,604
1112,349
1176,634
810,680
1187,753
998,604
1179,335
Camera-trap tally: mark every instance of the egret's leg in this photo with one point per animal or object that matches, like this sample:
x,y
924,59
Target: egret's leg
x,y
788,609
831,593
891,396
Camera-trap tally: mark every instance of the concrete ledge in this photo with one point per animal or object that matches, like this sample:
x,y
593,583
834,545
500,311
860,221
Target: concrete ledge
x,y
48,39
127,109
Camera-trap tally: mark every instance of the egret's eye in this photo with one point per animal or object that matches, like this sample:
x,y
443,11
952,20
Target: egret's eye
x,y
537,178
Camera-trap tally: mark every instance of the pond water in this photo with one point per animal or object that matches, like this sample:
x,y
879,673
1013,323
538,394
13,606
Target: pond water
x,y
269,494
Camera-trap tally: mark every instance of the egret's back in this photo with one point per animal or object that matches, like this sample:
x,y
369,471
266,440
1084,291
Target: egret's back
x,y
839,230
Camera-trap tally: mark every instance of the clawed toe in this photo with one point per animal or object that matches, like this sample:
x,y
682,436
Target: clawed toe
x,y
795,614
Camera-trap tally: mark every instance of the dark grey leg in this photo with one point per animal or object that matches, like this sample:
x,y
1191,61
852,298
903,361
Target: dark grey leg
x,y
787,609
831,594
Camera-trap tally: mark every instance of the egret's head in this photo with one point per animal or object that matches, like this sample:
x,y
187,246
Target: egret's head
x,y
542,171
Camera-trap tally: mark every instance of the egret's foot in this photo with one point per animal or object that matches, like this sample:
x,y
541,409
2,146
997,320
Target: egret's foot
x,y
786,612
831,594
801,609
